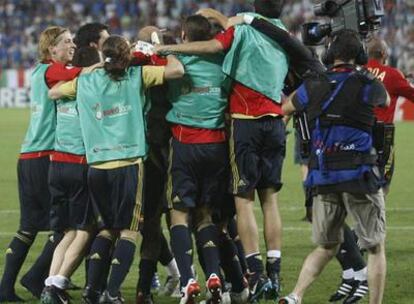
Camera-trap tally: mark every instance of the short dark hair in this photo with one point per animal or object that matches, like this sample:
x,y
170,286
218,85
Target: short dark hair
x,y
85,56
197,28
269,8
89,33
346,45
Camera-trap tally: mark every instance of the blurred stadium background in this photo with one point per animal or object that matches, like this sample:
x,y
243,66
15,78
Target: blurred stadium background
x,y
21,21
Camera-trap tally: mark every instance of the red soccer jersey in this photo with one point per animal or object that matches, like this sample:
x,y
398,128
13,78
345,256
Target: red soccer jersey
x,y
58,71
244,100
140,58
191,135
396,85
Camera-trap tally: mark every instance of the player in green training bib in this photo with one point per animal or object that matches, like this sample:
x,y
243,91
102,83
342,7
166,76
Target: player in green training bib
x,y
110,102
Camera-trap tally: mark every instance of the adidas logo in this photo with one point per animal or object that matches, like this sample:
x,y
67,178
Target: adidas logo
x,y
176,199
209,244
115,262
95,256
189,252
9,251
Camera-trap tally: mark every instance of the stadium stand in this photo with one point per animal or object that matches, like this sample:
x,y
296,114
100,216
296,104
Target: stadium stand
x,y
21,21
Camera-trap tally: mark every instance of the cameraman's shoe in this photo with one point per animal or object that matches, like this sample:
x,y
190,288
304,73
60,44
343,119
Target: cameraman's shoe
x,y
346,288
358,293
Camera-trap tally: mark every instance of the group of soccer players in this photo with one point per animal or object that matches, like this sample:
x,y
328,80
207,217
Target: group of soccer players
x,y
120,133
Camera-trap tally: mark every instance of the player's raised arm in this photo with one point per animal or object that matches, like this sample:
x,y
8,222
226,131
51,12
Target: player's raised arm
x,y
193,48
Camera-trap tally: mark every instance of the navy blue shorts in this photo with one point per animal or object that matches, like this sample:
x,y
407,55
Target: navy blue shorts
x,y
257,150
117,196
197,175
70,196
32,176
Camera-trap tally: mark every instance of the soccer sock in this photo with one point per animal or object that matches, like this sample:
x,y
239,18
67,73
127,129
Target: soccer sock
x,y
308,196
172,268
200,256
232,228
255,264
40,269
60,282
165,252
15,255
147,269
230,262
348,274
273,261
99,259
121,262
361,275
352,256
182,249
207,237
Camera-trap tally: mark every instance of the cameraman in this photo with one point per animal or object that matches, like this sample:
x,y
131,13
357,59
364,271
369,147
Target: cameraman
x,y
342,171
396,85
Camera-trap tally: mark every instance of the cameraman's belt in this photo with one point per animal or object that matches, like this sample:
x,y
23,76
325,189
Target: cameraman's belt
x,y
343,160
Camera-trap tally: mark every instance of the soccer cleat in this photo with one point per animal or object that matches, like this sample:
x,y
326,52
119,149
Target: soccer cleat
x,y
54,295
171,286
273,292
106,298
289,299
240,297
155,284
90,296
34,286
190,292
258,286
344,290
11,297
226,298
141,298
214,288
358,293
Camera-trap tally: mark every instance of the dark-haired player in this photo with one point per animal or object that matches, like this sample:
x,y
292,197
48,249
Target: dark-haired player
x,y
198,163
257,67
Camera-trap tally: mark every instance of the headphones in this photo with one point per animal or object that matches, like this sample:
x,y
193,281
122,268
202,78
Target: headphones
x,y
328,57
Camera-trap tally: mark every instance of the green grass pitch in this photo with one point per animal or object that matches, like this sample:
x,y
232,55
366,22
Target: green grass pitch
x,y
297,237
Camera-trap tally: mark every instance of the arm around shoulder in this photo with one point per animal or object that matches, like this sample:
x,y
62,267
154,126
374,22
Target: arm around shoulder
x,y
64,90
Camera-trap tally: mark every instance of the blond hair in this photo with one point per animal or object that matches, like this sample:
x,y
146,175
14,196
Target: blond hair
x,y
49,37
